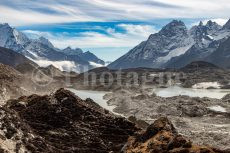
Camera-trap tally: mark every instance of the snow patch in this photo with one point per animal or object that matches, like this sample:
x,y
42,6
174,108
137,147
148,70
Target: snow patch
x,y
33,54
210,37
218,109
153,74
205,85
174,53
95,64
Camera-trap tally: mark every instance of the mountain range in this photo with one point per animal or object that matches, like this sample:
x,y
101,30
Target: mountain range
x,y
175,46
43,52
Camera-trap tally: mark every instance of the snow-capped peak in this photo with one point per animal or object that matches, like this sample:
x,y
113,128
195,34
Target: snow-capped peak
x,y
173,43
11,38
41,50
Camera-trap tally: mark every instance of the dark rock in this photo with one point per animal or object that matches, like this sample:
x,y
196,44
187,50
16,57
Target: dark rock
x,y
63,122
227,97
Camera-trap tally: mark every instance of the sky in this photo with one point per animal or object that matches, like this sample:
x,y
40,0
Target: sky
x,y
108,28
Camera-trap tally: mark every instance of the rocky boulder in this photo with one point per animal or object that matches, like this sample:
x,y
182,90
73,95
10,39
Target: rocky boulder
x,y
162,137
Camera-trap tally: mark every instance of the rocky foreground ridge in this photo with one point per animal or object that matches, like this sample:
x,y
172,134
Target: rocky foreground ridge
x,y
62,122
162,137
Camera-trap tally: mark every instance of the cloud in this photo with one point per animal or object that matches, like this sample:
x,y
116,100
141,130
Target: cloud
x,y
143,30
61,65
29,17
24,12
220,21
95,64
130,36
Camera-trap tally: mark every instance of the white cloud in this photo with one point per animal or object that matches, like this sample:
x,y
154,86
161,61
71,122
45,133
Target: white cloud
x,y
29,17
95,64
144,30
220,21
133,35
23,12
61,65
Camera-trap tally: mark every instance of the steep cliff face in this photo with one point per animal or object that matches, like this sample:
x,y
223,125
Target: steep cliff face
x,y
221,56
170,41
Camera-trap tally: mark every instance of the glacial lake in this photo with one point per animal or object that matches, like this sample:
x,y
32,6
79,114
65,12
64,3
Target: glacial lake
x,y
97,96
176,91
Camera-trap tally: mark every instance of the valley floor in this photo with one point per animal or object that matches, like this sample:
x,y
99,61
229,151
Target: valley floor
x,y
204,120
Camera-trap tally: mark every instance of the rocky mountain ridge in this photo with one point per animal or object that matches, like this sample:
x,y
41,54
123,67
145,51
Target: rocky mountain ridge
x,y
175,46
43,50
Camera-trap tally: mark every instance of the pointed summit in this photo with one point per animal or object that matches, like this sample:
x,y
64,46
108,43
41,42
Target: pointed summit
x,y
212,27
174,28
201,23
68,48
199,32
88,56
88,52
211,23
11,38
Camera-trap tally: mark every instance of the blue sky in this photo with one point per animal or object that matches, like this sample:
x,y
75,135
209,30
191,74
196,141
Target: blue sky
x,y
108,28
